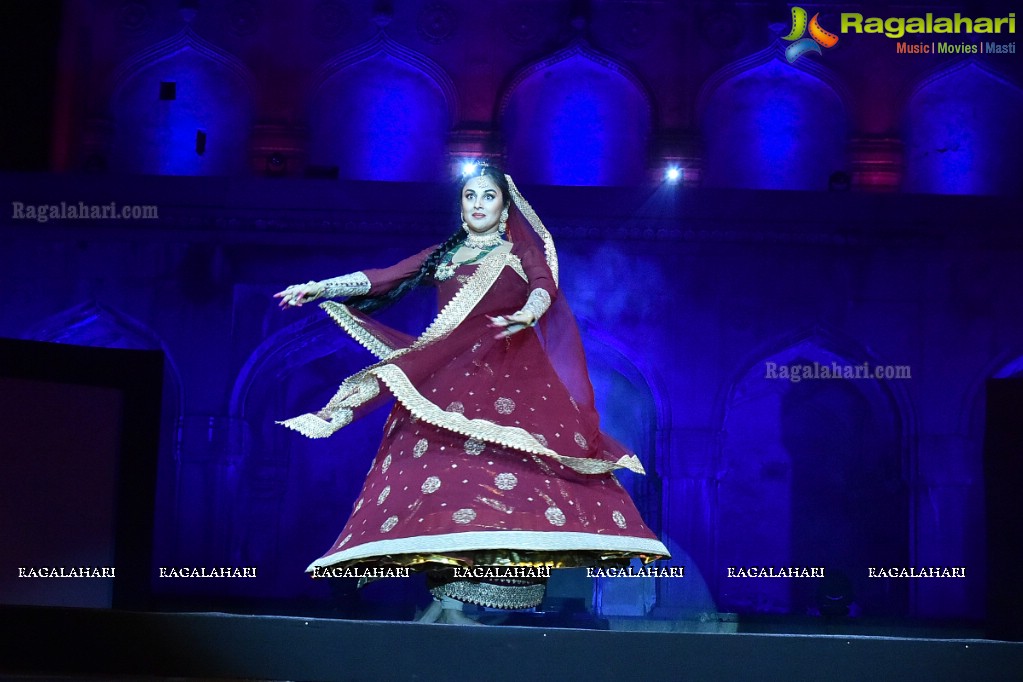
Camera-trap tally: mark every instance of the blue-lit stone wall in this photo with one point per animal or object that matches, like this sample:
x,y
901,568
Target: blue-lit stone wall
x,y
288,141
682,307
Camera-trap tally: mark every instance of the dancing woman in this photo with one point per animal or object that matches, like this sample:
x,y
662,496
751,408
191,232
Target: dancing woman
x,y
492,454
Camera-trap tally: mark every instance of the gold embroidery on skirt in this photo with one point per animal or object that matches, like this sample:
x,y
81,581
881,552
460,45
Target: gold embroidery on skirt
x,y
501,557
493,595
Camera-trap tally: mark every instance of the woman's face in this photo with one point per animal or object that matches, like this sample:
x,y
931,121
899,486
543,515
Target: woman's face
x,y
482,204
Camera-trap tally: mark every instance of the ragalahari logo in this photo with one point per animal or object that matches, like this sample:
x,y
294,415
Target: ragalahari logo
x,y
818,36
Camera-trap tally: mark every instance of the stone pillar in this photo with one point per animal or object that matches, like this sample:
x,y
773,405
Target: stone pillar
x,y
690,504
877,163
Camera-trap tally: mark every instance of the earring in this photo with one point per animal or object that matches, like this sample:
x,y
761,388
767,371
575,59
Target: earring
x,y
502,226
465,226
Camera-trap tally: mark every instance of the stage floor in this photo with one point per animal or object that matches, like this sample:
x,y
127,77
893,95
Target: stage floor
x,y
94,644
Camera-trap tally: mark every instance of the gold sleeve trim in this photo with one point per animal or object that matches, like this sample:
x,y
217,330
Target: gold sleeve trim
x,y
354,284
537,303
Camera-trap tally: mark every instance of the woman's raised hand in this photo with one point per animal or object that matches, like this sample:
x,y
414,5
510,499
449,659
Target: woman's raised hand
x,y
512,324
297,294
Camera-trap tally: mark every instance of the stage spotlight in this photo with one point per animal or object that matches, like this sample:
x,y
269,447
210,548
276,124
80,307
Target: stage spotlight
x,y
468,167
673,174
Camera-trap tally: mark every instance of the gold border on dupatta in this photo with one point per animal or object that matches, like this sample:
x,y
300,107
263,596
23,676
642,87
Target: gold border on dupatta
x,y
359,388
550,253
342,315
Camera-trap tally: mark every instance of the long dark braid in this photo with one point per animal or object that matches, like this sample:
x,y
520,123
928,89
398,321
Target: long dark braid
x,y
371,304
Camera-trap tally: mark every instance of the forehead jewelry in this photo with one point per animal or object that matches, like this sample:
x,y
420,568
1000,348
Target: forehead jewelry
x,y
481,182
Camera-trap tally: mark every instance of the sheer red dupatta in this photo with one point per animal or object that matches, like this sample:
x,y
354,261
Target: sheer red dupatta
x,y
557,328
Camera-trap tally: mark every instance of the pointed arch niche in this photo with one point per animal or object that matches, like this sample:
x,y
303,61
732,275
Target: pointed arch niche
x,y
93,324
294,493
631,407
629,411
964,493
183,107
577,118
962,133
811,473
382,112
767,124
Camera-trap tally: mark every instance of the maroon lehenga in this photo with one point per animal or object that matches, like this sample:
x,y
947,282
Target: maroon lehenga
x,y
492,454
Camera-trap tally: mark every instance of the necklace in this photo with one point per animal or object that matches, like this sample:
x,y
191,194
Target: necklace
x,y
446,268
483,241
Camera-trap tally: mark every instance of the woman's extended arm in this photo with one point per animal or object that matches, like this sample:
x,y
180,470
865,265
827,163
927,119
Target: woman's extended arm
x,y
354,284
372,281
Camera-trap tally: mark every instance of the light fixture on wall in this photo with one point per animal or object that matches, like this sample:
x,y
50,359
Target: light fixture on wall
x,y
673,174
276,165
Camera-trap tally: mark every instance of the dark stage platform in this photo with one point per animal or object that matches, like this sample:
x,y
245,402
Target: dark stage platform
x,y
49,643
